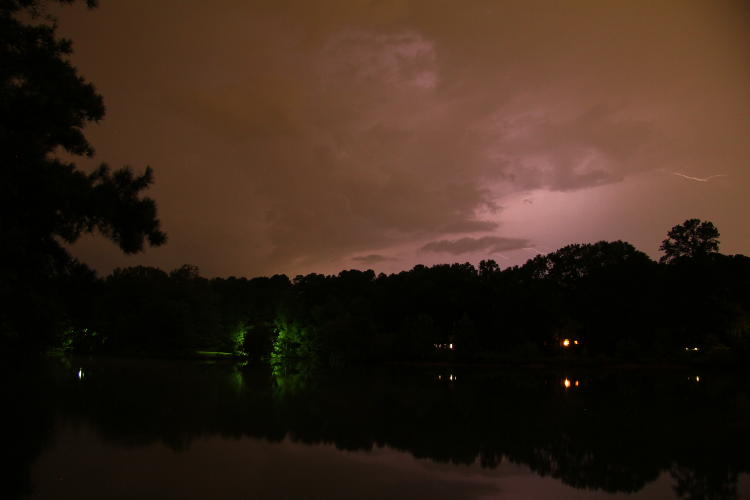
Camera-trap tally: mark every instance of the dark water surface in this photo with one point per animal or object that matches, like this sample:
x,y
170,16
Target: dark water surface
x,y
79,429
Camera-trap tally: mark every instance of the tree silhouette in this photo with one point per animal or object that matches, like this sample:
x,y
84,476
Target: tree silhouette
x,y
45,200
693,238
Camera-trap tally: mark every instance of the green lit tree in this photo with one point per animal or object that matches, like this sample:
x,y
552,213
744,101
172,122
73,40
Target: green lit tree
x,y
691,239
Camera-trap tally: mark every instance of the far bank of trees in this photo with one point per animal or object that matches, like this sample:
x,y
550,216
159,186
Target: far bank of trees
x,y
600,300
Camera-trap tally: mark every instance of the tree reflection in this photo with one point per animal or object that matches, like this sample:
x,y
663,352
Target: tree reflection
x,y
704,483
28,424
613,432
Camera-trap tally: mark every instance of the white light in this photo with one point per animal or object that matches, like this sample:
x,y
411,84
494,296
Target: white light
x,y
80,374
450,346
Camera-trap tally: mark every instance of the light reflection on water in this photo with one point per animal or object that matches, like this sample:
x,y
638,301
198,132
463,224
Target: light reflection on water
x,y
172,429
570,383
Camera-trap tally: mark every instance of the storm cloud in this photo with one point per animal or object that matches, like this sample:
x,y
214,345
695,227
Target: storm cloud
x,y
298,136
372,259
488,244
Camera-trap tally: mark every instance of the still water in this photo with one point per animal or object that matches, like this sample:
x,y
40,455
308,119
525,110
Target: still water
x,y
82,429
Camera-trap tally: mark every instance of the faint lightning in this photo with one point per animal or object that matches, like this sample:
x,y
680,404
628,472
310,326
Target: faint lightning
x,y
698,179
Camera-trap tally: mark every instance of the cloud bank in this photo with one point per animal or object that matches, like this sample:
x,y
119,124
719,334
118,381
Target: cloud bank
x,y
298,136
488,244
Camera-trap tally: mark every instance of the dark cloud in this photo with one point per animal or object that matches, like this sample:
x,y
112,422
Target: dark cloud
x,y
489,244
288,136
593,147
372,258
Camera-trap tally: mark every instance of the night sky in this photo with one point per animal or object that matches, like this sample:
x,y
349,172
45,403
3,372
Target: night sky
x,y
315,136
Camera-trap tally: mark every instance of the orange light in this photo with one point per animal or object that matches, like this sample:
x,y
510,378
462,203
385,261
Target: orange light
x,y
575,342
566,342
566,383
577,383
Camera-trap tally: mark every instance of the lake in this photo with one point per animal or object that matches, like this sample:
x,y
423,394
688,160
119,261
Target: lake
x,y
113,428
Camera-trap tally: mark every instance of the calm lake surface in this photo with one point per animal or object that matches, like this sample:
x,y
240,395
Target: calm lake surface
x,y
114,429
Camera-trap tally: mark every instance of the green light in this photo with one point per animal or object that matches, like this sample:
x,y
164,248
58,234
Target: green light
x,y
238,378
291,342
79,339
292,377
215,354
238,339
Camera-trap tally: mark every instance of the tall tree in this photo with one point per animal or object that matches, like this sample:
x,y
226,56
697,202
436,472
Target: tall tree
x,y
693,238
45,200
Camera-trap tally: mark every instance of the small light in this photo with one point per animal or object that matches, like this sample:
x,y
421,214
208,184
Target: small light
x,y
697,378
566,342
577,383
566,383
575,342
450,346
80,374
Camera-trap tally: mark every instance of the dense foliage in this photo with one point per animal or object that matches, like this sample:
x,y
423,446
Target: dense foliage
x,y
607,299
46,201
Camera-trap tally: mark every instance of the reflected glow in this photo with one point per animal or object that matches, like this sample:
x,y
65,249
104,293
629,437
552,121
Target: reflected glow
x,y
568,383
445,346
238,378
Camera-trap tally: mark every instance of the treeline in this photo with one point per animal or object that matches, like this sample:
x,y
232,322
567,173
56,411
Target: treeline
x,y
601,300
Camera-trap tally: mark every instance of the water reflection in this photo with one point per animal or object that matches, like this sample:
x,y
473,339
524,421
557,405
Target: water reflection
x,y
568,383
621,434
